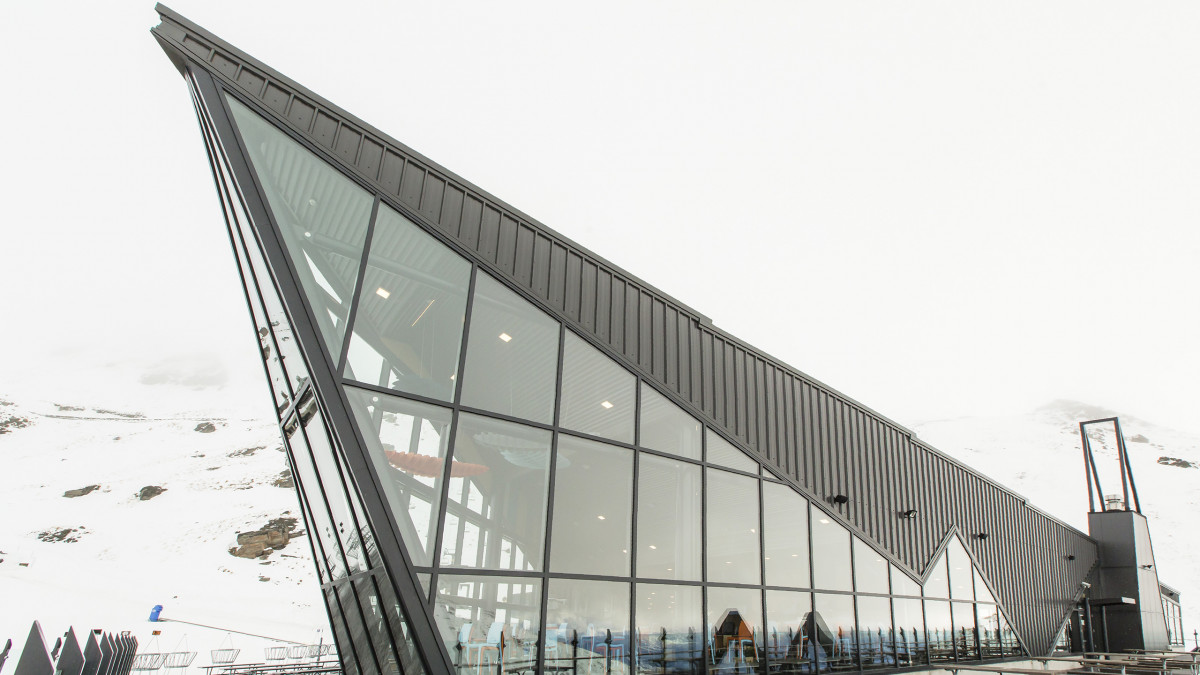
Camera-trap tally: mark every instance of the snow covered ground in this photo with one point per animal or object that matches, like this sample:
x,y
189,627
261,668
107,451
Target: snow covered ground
x,y
105,558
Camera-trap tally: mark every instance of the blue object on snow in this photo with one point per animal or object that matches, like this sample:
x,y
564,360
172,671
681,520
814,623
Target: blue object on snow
x,y
155,612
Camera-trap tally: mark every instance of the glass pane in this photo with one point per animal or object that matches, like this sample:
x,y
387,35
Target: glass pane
x,y
496,514
335,493
354,624
322,218
670,629
407,442
939,630
870,569
789,615
512,355
875,648
964,630
666,427
733,555
989,632
981,590
593,508
410,660
785,536
833,631
325,544
486,621
341,637
724,453
910,633
1008,639
668,519
961,570
587,626
408,328
598,396
902,584
377,627
830,553
734,629
937,586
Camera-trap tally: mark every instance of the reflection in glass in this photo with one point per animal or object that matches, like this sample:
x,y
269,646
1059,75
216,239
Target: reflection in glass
x,y
902,584
989,632
964,630
496,513
937,585
961,570
410,660
598,396
831,627
870,569
734,630
875,648
785,536
322,217
593,508
940,631
668,519
488,621
354,624
733,555
587,626
724,453
377,627
512,355
1008,639
981,590
326,542
335,492
910,632
407,442
787,645
346,655
408,328
666,427
670,629
831,553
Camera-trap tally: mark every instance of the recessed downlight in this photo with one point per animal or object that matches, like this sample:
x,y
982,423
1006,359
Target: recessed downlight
x,y
506,337
383,293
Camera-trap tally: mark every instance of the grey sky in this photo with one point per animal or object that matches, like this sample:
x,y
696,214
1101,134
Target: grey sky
x,y
937,208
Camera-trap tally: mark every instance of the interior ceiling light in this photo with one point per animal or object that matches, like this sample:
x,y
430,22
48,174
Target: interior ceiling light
x,y
653,546
382,293
308,234
823,521
506,337
606,405
600,517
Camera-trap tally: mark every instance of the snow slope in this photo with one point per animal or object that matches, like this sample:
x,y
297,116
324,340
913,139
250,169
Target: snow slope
x,y
1039,455
105,558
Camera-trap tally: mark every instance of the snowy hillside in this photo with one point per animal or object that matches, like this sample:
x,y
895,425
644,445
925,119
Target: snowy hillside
x,y
108,512
1039,455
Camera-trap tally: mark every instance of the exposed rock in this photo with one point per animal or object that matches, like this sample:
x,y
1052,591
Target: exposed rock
x,y
262,578
1181,463
262,542
66,535
1138,438
7,424
284,479
81,491
246,452
130,416
68,408
150,492
206,427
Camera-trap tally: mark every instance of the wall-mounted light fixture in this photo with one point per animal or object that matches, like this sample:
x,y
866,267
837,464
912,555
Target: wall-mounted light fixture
x,y
1146,566
909,514
839,499
1070,556
981,536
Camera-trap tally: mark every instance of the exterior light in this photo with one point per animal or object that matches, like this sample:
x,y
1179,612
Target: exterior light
x,y
839,499
981,536
382,293
606,405
505,337
909,514
1070,556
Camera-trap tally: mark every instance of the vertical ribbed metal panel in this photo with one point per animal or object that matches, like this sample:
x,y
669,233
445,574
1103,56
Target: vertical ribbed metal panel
x,y
821,440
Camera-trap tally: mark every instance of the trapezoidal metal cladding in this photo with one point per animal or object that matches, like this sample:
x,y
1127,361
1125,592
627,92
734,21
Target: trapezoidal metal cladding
x,y
902,496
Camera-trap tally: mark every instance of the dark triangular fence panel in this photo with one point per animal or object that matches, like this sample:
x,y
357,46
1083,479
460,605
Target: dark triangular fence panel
x,y
107,651
70,659
35,658
4,654
123,658
91,655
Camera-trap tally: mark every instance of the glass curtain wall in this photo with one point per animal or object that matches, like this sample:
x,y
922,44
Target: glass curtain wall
x,y
560,511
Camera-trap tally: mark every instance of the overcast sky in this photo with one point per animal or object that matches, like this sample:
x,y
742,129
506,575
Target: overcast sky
x,y
938,208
